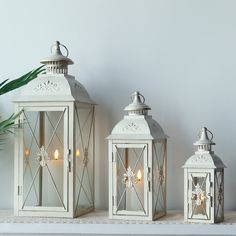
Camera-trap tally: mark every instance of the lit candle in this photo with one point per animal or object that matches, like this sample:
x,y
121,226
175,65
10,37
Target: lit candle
x,y
27,152
56,154
139,175
77,153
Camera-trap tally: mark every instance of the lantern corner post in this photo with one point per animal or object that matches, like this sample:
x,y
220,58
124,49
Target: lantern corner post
x,y
110,178
223,200
149,170
16,162
69,143
165,176
186,186
94,154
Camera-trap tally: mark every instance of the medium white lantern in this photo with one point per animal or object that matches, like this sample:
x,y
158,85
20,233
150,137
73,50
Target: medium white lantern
x,y
54,147
204,183
137,165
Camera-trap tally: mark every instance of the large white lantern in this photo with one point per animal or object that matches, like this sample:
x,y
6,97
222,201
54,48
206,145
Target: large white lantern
x,y
137,165
54,145
204,183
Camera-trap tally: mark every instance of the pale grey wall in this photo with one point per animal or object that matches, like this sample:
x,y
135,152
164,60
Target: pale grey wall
x,y
180,54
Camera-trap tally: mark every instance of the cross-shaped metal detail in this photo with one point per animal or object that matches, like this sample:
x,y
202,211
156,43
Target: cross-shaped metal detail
x,y
159,160
42,156
84,175
219,194
129,178
199,196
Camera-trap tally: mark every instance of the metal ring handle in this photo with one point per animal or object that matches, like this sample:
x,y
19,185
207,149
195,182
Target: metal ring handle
x,y
67,51
142,97
211,134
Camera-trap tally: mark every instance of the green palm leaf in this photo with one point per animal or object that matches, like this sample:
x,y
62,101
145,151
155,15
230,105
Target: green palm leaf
x,y
7,125
23,80
3,83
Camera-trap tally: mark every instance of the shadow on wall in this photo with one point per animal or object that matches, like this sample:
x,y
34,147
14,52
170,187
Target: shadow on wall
x,y
103,126
108,113
178,150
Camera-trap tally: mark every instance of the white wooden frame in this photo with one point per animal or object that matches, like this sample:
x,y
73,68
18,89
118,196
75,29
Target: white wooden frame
x,y
188,191
40,210
147,155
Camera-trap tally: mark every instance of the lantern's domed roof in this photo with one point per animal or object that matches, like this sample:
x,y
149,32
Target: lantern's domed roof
x,y
52,87
204,160
137,124
204,157
56,84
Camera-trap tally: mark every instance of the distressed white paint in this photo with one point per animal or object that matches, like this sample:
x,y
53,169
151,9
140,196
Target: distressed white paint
x,y
204,164
137,130
50,92
180,54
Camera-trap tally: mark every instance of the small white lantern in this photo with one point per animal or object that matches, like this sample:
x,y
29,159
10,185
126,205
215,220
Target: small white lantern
x,y
54,147
137,165
204,183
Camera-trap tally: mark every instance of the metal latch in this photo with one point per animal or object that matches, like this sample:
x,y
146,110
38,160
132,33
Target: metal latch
x,y
19,190
113,200
149,179
69,160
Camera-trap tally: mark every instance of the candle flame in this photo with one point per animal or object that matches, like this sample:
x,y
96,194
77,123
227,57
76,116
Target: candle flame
x,y
139,175
77,153
56,154
27,152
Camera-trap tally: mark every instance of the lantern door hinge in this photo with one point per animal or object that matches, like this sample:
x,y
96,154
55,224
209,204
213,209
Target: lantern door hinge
x,y
113,200
149,186
19,123
113,157
19,190
149,178
211,200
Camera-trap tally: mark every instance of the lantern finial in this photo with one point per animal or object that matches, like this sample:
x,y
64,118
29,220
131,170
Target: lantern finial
x,y
204,143
56,48
137,107
57,63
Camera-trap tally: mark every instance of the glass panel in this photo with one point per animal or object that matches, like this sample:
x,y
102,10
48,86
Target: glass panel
x,y
130,184
159,178
219,195
43,164
84,144
199,195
